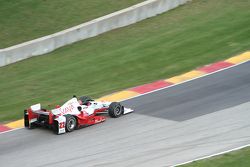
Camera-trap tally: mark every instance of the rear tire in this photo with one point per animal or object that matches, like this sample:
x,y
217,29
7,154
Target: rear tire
x,y
26,119
55,127
71,123
115,110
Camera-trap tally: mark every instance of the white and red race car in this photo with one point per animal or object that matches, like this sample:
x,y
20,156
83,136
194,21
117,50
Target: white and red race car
x,y
73,114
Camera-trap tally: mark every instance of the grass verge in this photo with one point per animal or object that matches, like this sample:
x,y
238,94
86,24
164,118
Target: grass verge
x,y
23,20
238,158
180,40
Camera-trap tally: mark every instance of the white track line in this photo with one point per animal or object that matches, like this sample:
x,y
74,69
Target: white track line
x,y
212,155
186,80
10,130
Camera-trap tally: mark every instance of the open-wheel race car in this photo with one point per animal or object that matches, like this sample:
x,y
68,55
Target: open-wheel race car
x,y
75,113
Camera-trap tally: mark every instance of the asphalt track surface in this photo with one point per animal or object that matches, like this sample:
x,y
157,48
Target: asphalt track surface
x,y
191,120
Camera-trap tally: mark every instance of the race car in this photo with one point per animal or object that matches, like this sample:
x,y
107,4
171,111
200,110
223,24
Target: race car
x,y
75,113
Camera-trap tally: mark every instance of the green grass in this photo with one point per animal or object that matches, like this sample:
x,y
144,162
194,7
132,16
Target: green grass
x,y
23,20
190,36
238,158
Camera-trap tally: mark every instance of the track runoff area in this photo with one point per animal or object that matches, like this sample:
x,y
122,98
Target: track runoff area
x,y
175,124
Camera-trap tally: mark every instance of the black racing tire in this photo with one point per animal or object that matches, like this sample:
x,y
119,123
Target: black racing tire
x,y
85,99
27,124
71,123
26,119
55,127
115,110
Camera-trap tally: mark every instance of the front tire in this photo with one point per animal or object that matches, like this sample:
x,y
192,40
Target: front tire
x,y
115,110
70,123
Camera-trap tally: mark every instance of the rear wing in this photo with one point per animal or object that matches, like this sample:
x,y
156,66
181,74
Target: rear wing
x,y
38,110
35,112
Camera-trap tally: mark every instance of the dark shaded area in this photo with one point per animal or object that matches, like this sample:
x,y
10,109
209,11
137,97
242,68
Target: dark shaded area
x,y
198,97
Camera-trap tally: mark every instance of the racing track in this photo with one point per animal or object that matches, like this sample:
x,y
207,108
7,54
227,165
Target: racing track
x,y
191,120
